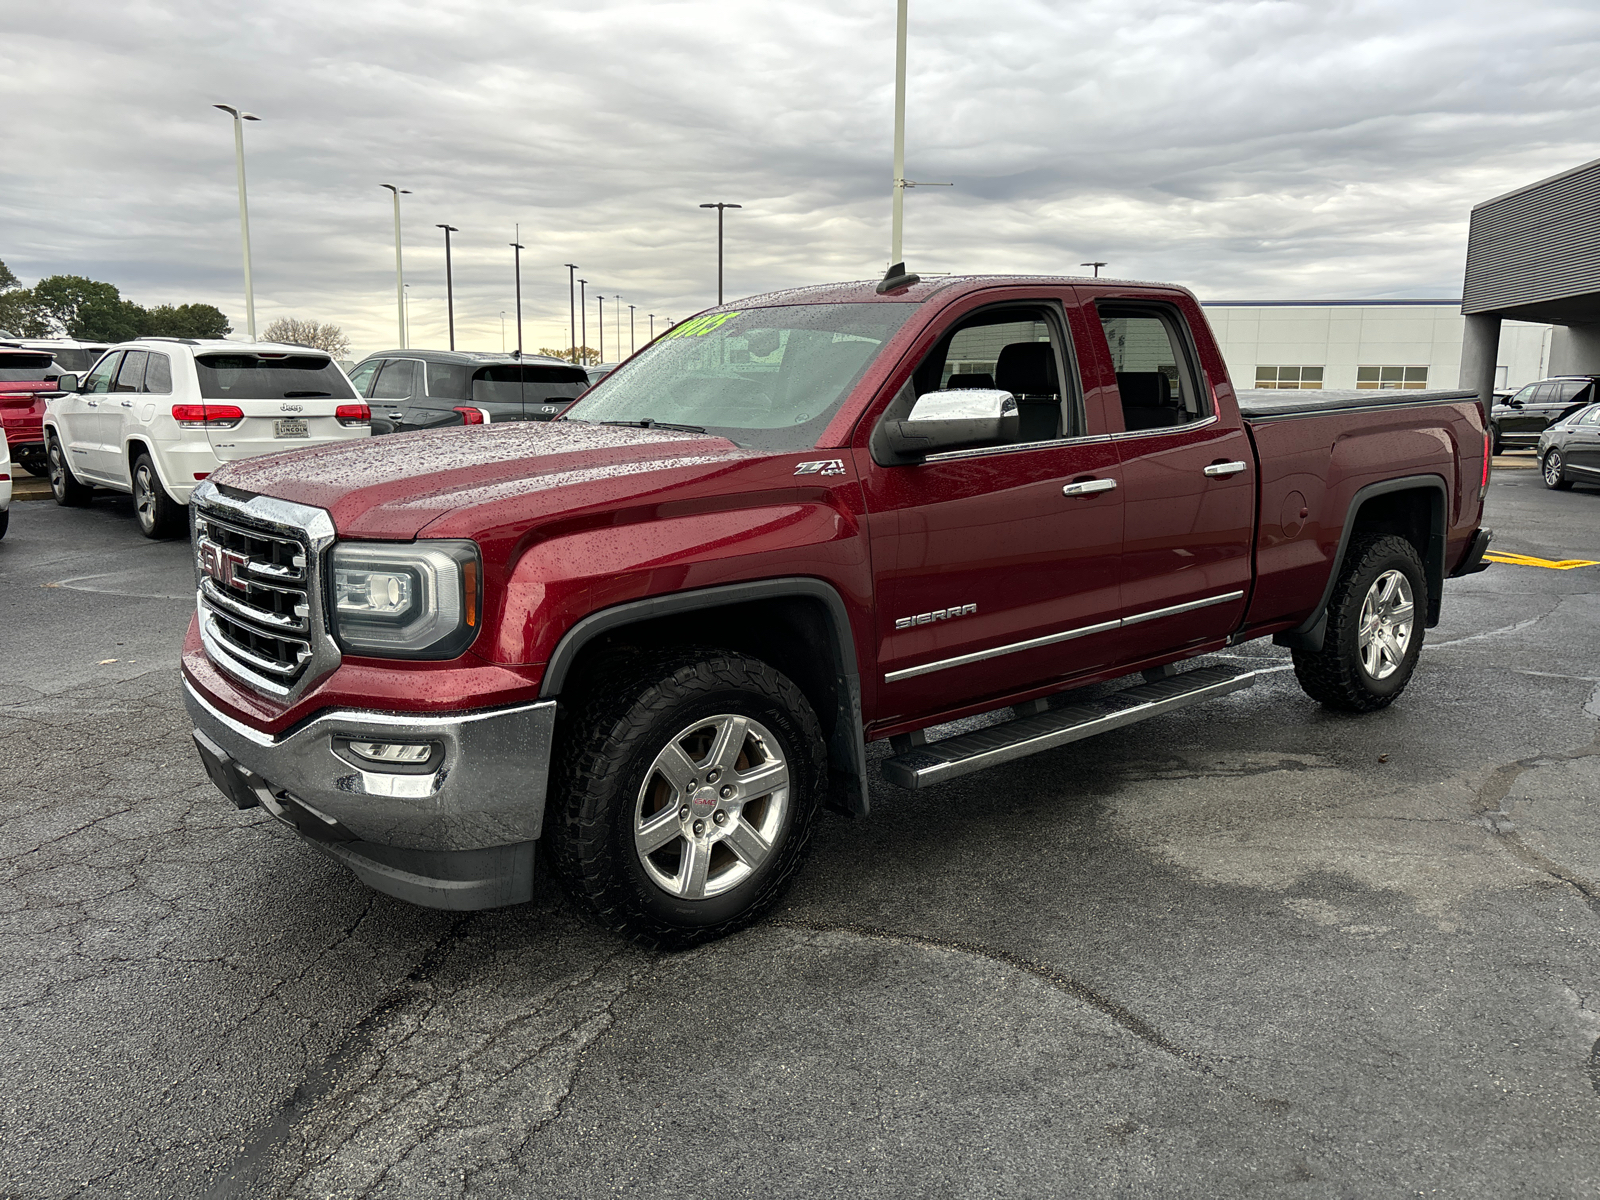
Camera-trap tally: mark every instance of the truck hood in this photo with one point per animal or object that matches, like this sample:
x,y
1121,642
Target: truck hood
x,y
392,487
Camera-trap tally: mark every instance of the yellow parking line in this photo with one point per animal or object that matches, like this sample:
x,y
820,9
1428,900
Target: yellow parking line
x,y
1527,560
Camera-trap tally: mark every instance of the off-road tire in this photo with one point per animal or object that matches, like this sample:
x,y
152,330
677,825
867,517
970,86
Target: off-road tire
x,y
1553,470
160,516
64,485
605,748
1335,676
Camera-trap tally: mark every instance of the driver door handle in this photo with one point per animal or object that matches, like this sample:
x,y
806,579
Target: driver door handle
x,y
1088,487
1221,470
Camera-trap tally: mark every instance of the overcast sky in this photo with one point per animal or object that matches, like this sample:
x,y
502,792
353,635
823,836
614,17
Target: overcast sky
x,y
1251,150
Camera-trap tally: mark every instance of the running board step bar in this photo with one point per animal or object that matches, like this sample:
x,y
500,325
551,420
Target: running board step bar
x,y
942,761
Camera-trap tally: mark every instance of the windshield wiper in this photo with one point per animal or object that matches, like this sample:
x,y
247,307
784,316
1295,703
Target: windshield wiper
x,y
652,423
297,395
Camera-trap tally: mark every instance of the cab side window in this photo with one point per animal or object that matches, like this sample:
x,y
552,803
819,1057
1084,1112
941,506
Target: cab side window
x,y
1155,376
104,372
1013,349
158,374
130,376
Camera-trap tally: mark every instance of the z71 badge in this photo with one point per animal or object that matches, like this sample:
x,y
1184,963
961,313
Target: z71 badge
x,y
938,614
827,466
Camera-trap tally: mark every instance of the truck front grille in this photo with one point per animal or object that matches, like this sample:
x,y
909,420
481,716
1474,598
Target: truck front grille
x,y
258,606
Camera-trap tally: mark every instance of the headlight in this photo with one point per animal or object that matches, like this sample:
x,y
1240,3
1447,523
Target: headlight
x,y
413,601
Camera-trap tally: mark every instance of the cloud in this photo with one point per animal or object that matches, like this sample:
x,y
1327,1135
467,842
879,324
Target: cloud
x,y
1246,148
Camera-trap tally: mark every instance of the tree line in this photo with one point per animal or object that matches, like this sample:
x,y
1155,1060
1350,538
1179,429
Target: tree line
x,y
92,311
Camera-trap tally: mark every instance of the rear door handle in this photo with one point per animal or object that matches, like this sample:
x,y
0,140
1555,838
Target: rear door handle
x,y
395,416
1219,470
1088,487
127,404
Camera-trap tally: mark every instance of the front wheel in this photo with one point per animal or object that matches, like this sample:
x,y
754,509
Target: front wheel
x,y
1554,471
690,786
159,515
1374,631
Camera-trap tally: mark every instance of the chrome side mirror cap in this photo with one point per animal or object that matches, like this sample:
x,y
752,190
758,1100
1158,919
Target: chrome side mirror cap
x,y
961,420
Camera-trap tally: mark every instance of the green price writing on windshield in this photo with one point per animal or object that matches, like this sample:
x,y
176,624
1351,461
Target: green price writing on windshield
x,y
699,326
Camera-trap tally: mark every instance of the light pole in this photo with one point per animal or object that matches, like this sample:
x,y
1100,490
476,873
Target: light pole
x,y
399,268
652,327
1095,265
633,344
516,253
449,284
583,319
600,327
616,321
408,311
239,118
572,310
502,331
719,206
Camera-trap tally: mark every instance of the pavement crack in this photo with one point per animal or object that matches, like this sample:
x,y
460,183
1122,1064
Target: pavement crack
x,y
1057,979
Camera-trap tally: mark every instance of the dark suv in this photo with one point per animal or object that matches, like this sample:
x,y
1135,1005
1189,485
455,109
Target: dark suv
x,y
429,389
1518,421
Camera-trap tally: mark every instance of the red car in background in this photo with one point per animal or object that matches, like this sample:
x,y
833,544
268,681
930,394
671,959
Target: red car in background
x,y
27,377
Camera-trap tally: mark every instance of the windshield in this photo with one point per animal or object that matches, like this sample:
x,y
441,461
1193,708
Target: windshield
x,y
766,378
270,377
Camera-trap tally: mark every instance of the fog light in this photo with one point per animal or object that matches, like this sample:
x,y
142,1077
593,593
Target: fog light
x,y
403,753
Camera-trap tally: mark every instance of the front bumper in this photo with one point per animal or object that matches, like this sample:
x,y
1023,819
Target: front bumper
x,y
456,832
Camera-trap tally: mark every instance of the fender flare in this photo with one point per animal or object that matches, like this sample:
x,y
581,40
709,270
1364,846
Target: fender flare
x,y
847,748
1310,633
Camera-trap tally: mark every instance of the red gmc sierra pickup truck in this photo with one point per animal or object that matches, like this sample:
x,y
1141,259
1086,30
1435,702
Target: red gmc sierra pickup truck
x,y
660,630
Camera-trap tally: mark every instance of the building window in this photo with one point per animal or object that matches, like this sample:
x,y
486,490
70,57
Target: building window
x,y
1289,377
1370,379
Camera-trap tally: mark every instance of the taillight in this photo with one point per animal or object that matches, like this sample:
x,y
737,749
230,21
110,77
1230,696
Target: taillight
x,y
470,416
353,414
1488,449
198,416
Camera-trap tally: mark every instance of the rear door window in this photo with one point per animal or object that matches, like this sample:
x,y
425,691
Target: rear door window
x,y
361,377
1155,377
158,374
130,376
397,380
270,377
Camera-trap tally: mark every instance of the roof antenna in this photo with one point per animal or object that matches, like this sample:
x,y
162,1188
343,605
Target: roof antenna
x,y
897,278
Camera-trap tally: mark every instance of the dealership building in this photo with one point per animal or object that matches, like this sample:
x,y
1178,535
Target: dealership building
x,y
1364,344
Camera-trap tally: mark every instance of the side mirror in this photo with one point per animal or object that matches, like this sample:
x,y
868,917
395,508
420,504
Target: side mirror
x,y
67,383
959,420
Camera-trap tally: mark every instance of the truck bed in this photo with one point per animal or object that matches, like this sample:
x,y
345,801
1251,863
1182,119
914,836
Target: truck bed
x,y
1265,404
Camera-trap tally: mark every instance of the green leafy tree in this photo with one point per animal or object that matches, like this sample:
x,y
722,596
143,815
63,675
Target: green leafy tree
x,y
20,314
186,321
62,298
8,280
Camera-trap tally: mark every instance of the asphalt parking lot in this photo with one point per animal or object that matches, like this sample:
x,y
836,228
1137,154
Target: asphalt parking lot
x,y
1251,948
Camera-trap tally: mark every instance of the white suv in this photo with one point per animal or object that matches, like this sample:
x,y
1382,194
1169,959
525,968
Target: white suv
x,y
156,416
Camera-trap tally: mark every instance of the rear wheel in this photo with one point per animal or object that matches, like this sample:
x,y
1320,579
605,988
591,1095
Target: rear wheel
x,y
5,521
64,485
1374,631
159,515
688,790
1496,445
1554,470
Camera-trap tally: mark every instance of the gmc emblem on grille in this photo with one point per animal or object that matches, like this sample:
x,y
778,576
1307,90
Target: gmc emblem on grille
x,y
221,565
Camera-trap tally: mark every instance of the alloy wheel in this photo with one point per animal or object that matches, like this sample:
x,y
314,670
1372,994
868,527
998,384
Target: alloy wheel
x,y
144,499
708,814
1387,616
57,470
1552,468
